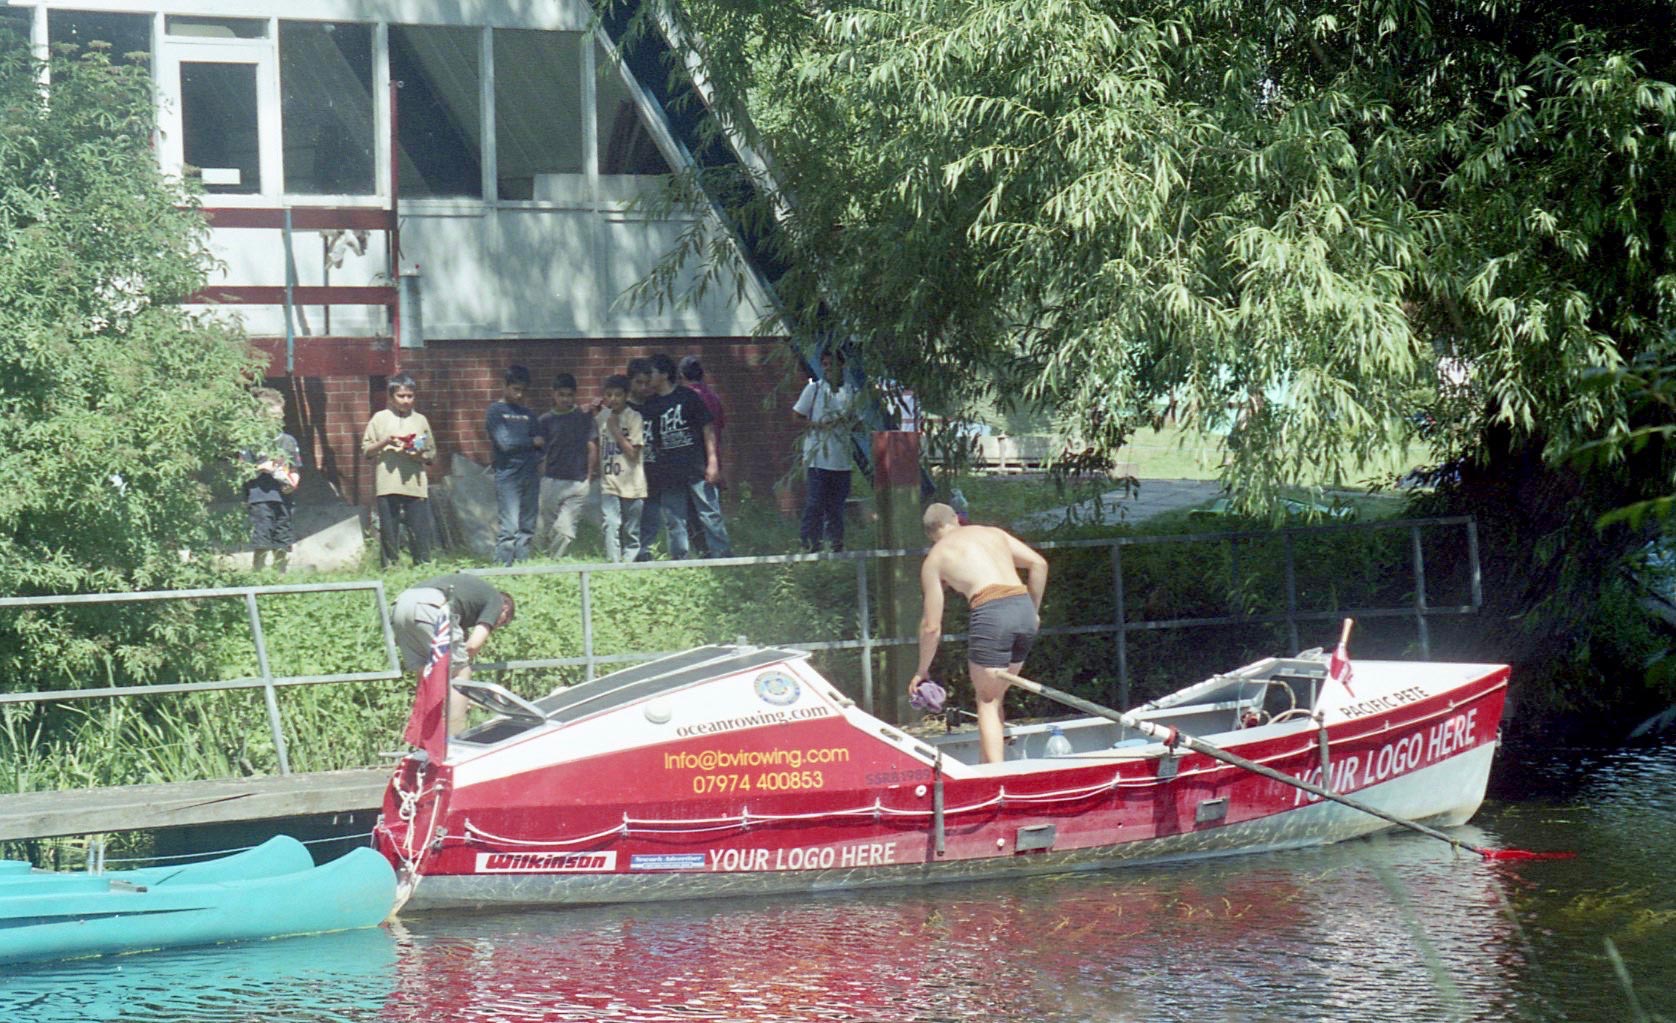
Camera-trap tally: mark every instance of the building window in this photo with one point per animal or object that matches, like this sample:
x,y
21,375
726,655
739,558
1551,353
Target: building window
x,y
326,97
218,111
215,28
439,123
127,35
626,145
538,112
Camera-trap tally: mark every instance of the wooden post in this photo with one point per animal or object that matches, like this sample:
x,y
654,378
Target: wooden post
x,y
896,493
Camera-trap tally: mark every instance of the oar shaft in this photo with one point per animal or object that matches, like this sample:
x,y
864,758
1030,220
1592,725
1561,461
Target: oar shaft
x,y
1163,733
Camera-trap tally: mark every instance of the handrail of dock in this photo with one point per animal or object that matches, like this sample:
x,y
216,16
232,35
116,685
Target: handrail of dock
x,y
32,815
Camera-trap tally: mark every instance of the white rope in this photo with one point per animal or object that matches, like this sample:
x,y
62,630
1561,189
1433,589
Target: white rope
x,y
475,832
1064,795
708,825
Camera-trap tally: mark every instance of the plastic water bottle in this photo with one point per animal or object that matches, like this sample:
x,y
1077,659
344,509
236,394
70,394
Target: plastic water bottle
x,y
957,501
1057,744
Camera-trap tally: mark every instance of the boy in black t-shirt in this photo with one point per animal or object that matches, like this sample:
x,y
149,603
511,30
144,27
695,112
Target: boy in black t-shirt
x,y
680,431
566,432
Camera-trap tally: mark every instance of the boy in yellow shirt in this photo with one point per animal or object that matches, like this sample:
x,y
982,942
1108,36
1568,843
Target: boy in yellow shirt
x,y
617,449
399,443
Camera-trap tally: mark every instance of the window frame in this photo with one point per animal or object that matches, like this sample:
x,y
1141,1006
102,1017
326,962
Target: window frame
x,y
263,56
169,52
380,86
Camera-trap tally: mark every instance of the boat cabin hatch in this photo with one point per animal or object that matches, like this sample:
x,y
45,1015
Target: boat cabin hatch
x,y
618,689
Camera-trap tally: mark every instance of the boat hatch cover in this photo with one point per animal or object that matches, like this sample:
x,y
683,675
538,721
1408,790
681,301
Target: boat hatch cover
x,y
500,700
663,675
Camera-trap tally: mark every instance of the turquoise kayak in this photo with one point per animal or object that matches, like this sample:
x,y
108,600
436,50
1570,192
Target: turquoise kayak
x,y
265,892
280,854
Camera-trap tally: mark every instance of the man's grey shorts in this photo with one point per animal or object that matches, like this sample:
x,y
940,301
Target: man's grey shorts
x,y
414,618
1000,632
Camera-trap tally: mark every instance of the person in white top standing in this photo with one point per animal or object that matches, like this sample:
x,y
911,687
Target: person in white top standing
x,y
826,404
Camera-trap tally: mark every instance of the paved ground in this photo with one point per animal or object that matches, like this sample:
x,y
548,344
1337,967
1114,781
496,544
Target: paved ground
x,y
330,531
1146,500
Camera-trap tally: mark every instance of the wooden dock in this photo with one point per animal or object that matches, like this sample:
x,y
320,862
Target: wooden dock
x,y
28,815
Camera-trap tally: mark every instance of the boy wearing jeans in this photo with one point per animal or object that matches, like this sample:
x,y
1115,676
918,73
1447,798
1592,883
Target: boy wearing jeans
x,y
567,437
517,446
618,446
684,466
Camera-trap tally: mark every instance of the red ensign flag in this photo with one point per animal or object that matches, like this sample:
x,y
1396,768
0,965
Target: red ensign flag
x,y
1338,667
427,726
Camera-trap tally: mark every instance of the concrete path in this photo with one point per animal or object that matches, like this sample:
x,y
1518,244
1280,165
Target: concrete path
x,y
1145,500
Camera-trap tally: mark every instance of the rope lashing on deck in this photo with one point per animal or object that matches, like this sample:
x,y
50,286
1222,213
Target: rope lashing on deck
x,y
745,819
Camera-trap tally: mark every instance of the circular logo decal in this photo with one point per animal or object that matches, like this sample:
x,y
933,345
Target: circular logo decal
x,y
778,688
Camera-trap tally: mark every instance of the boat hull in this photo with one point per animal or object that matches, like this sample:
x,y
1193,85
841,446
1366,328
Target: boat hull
x,y
45,921
680,794
1413,797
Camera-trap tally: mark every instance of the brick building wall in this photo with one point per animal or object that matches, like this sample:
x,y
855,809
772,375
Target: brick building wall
x,y
330,399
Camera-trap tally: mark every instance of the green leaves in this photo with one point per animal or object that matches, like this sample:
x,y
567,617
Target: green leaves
x,y
120,413
1116,206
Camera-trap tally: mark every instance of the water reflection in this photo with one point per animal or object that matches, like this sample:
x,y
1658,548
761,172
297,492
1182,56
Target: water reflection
x,y
329,978
1399,928
1338,933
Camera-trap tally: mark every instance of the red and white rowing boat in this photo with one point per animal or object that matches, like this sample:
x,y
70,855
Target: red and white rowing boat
x,y
737,769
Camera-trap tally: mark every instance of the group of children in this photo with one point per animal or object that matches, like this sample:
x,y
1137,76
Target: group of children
x,y
651,440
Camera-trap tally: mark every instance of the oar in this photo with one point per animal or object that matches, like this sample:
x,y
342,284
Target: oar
x,y
1172,737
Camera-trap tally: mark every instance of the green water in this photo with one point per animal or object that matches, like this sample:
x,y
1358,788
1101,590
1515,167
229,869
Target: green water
x,y
1395,928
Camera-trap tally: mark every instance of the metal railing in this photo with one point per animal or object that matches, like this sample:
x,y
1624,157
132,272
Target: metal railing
x,y
265,679
591,660
1419,609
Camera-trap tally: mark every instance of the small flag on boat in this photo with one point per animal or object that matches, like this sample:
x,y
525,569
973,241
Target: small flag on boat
x,y
427,725
1338,667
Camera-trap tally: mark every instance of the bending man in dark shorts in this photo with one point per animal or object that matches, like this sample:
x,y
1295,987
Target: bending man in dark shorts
x,y
982,564
474,609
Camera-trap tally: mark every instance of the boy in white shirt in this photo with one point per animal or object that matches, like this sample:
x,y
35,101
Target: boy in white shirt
x,y
825,403
617,447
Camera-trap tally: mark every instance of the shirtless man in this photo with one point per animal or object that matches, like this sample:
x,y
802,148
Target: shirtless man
x,y
982,564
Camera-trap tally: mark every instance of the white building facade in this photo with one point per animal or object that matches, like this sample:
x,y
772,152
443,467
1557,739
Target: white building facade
x,y
437,186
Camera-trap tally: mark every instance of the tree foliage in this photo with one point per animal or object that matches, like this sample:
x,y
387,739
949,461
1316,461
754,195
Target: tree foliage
x,y
1113,206
1319,226
121,411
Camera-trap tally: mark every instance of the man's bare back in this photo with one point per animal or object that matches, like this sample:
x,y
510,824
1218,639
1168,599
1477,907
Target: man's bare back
x,y
968,559
982,564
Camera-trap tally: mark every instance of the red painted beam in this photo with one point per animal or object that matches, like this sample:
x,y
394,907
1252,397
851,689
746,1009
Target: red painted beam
x,y
330,356
310,294
303,218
